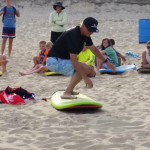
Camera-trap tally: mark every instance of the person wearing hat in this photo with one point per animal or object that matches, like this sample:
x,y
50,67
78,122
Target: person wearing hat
x,y
62,58
57,21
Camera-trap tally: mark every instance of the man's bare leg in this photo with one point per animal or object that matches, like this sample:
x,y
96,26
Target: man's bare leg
x,y
100,63
10,46
76,78
92,72
4,40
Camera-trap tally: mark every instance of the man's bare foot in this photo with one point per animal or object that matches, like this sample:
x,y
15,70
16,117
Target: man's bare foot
x,y
22,74
74,93
68,97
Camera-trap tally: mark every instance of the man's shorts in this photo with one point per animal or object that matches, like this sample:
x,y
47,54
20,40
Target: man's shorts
x,y
62,66
8,32
104,65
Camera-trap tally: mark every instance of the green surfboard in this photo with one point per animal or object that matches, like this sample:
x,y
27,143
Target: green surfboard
x,y
82,101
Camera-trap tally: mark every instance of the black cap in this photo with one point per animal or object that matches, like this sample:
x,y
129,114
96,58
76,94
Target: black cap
x,y
59,4
91,24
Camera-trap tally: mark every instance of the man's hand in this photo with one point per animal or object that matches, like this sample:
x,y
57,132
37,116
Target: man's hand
x,y
88,83
111,66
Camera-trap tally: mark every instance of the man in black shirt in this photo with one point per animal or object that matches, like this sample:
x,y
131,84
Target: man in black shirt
x,y
62,57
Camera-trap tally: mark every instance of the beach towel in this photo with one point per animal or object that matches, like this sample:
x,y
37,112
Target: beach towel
x,y
131,55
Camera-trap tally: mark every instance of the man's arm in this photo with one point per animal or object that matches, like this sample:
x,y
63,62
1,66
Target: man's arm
x,y
79,70
17,13
100,56
96,52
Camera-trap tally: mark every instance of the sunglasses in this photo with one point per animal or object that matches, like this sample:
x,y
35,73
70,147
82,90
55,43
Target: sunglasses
x,y
148,47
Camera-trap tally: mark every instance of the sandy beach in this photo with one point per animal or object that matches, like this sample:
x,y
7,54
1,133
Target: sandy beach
x,y
122,124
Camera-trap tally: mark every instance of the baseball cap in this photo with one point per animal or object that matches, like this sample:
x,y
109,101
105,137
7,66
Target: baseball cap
x,y
91,24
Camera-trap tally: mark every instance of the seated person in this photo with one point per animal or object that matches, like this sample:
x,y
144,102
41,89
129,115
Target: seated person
x,y
41,58
86,56
39,68
120,56
146,56
3,63
49,45
109,53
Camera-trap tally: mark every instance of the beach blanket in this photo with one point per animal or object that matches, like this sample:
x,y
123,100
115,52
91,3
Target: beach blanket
x,y
131,55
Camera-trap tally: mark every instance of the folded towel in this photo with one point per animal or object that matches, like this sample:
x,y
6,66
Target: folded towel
x,y
99,47
131,55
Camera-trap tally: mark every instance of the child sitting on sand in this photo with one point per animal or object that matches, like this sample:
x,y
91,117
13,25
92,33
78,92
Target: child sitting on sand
x,y
3,63
109,53
86,56
39,68
120,56
41,58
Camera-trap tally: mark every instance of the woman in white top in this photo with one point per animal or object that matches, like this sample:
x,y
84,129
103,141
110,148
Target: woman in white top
x,y
146,56
57,20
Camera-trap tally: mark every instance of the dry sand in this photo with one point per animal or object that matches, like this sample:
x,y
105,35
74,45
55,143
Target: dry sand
x,y
122,124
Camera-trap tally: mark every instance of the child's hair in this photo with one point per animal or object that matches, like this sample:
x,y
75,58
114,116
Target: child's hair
x,y
107,41
148,42
42,42
112,41
49,44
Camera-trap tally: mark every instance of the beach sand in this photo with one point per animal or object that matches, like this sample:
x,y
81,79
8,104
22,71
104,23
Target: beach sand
x,y
122,124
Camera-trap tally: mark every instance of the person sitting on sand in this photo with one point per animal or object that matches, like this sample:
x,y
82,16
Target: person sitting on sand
x,y
146,56
3,63
109,53
86,56
39,68
120,56
41,58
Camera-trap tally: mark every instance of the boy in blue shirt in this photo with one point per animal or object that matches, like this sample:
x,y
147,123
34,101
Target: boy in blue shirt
x,y
9,12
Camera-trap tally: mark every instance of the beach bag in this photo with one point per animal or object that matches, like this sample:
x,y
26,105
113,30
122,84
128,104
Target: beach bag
x,y
19,91
12,98
15,95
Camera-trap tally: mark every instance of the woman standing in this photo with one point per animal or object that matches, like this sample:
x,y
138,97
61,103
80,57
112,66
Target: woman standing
x,y
57,20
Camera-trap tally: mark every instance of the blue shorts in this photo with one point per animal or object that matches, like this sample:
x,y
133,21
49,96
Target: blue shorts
x,y
62,66
8,32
